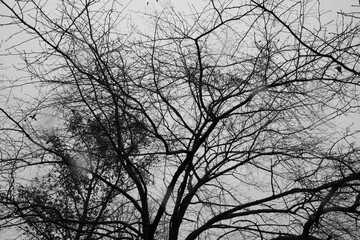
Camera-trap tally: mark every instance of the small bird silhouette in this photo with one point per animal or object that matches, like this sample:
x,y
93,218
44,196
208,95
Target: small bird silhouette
x,y
339,69
33,117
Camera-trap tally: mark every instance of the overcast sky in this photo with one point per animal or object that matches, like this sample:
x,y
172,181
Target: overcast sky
x,y
7,63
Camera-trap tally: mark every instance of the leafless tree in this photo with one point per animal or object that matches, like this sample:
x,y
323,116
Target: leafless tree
x,y
215,124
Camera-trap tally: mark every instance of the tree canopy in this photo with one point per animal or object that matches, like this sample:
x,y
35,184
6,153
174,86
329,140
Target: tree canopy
x,y
221,122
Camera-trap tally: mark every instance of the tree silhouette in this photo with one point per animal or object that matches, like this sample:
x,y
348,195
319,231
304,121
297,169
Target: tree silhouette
x,y
216,124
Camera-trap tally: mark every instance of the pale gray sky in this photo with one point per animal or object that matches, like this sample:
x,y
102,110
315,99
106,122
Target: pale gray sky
x,y
9,63
9,37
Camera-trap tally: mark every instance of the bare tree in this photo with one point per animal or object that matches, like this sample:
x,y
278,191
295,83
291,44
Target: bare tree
x,y
217,124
